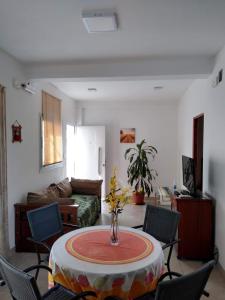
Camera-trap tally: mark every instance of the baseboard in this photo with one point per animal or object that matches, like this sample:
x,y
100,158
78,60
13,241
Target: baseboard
x,y
221,270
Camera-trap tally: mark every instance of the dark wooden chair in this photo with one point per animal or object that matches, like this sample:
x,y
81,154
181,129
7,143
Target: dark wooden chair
x,y
23,286
46,226
162,224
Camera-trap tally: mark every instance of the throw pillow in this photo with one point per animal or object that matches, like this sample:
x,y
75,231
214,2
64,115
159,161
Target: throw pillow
x,y
46,196
37,197
52,192
64,188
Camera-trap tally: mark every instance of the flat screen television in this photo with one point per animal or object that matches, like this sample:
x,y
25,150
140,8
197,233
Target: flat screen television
x,y
188,169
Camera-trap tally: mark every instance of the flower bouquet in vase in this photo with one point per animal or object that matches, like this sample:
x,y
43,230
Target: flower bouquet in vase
x,y
116,199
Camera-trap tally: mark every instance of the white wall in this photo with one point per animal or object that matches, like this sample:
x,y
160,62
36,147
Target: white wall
x,y
201,97
157,123
23,159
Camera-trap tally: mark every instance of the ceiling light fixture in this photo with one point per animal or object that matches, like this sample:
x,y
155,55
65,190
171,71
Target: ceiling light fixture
x,y
99,21
92,89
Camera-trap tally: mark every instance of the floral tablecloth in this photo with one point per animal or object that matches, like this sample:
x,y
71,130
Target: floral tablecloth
x,y
84,259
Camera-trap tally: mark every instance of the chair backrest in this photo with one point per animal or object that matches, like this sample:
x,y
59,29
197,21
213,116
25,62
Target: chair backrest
x,y
22,286
45,222
161,223
187,287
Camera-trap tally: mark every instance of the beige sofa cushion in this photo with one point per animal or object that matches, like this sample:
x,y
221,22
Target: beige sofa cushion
x,y
45,196
86,186
64,188
37,197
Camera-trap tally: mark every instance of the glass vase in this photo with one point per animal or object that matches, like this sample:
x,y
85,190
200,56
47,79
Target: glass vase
x,y
114,231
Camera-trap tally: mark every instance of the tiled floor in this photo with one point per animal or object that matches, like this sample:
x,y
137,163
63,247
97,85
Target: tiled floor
x,y
131,216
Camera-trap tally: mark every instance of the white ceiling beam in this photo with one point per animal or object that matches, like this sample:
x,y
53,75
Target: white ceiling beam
x,y
159,68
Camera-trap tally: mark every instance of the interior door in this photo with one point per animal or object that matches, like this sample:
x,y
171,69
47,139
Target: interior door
x,y
90,153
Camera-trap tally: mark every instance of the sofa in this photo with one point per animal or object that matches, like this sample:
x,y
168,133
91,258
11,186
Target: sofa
x,y
79,203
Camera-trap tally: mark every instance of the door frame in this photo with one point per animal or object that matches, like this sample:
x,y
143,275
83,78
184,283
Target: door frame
x,y
197,151
4,237
101,157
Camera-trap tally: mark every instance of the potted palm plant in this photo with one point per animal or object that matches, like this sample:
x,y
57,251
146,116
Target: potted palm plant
x,y
140,174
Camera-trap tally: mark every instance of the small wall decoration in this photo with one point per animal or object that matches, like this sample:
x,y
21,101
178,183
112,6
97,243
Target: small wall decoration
x,y
127,135
16,132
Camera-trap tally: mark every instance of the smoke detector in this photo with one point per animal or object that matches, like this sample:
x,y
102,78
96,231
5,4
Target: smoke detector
x,y
99,21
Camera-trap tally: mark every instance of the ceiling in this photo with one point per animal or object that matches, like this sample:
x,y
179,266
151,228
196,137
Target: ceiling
x,y
128,90
51,31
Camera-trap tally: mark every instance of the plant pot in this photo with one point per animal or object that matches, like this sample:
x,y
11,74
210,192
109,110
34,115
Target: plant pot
x,y
138,198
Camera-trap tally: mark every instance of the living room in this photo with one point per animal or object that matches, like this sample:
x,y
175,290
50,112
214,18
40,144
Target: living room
x,y
187,77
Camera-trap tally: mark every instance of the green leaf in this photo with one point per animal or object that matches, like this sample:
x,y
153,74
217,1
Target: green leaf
x,y
139,173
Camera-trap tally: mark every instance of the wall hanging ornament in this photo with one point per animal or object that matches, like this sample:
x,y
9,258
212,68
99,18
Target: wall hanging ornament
x,y
16,132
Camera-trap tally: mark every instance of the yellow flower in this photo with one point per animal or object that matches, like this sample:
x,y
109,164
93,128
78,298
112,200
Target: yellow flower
x,y
117,197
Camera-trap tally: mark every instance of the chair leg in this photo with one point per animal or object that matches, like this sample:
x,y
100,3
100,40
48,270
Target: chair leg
x,y
2,282
168,261
39,262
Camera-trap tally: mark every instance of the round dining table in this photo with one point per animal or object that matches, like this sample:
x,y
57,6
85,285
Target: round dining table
x,y
85,259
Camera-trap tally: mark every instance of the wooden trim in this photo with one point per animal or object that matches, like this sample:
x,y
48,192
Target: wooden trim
x,y
4,239
193,130
197,149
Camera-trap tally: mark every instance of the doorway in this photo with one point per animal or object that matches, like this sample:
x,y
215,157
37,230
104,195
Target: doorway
x,y
70,148
90,153
198,140
4,245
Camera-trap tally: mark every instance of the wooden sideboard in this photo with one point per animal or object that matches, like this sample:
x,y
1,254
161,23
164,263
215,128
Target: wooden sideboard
x,y
196,227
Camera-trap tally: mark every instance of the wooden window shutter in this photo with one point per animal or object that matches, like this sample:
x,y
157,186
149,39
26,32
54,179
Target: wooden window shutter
x,y
52,129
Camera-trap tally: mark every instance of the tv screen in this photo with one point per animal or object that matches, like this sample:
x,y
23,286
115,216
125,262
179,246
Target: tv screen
x,y
188,173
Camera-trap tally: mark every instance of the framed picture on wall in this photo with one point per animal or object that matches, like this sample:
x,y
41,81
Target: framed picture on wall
x,y
127,135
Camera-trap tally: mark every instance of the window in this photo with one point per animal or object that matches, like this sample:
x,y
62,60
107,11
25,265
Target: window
x,y
51,130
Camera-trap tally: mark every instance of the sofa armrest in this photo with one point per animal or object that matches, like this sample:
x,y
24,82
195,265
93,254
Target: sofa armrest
x,y
86,186
69,213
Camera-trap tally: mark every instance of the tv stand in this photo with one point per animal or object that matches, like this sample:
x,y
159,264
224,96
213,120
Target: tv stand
x,y
196,227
